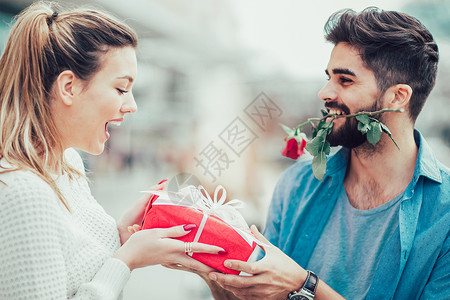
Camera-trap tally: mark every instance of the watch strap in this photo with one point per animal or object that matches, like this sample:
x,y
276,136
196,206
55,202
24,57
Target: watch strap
x,y
308,288
311,283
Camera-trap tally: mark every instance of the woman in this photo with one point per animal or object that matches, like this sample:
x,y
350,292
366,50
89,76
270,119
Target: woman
x,y
64,78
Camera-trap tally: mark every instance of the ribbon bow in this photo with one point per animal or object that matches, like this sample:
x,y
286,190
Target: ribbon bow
x,y
204,202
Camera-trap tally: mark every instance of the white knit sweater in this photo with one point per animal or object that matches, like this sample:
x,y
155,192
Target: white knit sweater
x,y
47,252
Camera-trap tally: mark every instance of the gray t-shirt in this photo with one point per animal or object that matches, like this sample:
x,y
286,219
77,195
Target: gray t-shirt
x,y
350,246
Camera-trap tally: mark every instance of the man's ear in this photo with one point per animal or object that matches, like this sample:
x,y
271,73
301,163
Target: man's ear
x,y
398,96
66,86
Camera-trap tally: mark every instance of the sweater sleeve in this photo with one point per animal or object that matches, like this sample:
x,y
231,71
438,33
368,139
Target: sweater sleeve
x,y
107,283
32,258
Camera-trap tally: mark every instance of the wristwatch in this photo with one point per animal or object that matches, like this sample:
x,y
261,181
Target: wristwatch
x,y
308,289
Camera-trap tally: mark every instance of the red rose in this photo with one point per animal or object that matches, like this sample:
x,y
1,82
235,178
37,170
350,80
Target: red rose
x,y
293,149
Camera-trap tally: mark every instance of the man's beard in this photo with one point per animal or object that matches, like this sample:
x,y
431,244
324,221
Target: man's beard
x,y
348,134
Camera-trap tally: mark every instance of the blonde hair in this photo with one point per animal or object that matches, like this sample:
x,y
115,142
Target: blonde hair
x,y
43,43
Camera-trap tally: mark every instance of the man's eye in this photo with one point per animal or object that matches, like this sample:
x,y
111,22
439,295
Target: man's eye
x,y
122,91
345,80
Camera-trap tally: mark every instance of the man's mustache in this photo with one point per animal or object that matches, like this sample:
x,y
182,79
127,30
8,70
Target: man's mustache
x,y
344,108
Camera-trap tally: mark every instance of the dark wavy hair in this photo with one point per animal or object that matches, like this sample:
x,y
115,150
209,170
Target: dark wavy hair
x,y
395,46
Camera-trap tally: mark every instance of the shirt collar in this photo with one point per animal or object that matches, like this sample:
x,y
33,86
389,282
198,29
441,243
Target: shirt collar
x,y
337,162
426,164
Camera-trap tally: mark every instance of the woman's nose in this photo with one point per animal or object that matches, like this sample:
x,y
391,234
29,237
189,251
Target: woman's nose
x,y
129,106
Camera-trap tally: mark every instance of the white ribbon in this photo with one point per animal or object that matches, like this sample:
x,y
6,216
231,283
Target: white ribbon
x,y
217,207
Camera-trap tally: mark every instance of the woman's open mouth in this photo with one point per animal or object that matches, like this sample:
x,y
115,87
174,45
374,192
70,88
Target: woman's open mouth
x,y
116,122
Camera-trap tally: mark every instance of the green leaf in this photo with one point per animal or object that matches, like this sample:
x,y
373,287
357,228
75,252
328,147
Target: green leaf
x,y
363,127
319,165
388,132
385,129
326,147
328,126
314,132
319,126
300,136
374,134
363,119
315,145
289,131
322,132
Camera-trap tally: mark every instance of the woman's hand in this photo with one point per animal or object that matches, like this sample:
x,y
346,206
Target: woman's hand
x,y
157,246
128,223
274,276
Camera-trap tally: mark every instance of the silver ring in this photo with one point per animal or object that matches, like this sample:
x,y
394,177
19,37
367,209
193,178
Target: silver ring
x,y
188,248
179,265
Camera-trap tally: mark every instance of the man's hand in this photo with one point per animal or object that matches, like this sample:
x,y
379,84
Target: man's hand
x,y
200,268
274,276
203,270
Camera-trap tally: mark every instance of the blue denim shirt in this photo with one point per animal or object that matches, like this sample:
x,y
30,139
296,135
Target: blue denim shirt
x,y
415,262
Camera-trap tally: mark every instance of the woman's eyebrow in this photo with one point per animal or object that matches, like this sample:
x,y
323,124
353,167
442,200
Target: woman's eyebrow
x,y
130,79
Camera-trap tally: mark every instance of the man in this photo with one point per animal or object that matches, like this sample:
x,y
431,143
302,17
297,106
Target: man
x,y
377,226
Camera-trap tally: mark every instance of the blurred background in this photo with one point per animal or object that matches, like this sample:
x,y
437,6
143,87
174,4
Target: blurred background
x,y
215,77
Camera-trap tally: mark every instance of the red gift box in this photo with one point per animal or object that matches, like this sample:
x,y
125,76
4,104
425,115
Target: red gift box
x,y
163,213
